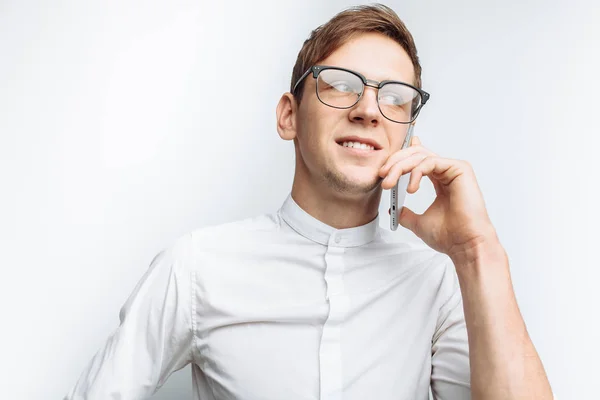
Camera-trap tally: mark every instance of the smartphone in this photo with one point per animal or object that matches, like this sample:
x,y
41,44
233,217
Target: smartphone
x,y
398,192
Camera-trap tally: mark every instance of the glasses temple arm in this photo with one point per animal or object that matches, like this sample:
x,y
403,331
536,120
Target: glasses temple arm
x,y
300,80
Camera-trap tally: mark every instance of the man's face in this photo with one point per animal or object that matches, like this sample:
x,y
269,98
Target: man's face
x,y
320,128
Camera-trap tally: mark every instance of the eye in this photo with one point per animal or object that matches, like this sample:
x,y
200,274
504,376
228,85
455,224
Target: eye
x,y
392,99
342,86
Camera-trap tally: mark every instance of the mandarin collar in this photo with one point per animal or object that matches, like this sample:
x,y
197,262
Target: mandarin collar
x,y
317,231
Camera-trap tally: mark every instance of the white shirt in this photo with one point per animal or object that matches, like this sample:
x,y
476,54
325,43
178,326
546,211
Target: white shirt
x,y
284,307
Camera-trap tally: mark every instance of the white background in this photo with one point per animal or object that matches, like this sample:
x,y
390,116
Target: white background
x,y
124,125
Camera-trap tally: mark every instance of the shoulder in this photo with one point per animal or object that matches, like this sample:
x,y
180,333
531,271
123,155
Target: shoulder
x,y
247,225
436,268
250,225
412,254
221,237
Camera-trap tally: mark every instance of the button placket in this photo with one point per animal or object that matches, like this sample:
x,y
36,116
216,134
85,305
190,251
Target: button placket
x,y
330,350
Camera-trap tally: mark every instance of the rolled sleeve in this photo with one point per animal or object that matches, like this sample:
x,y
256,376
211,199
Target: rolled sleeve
x,y
154,337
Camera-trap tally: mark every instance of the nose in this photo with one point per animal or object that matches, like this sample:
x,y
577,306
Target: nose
x,y
366,110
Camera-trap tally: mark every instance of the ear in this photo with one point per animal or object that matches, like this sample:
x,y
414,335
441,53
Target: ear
x,y
287,110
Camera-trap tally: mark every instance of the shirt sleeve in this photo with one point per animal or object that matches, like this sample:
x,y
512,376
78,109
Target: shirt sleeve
x,y
154,337
450,373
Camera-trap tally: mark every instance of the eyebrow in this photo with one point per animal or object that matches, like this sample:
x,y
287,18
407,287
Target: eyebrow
x,y
409,81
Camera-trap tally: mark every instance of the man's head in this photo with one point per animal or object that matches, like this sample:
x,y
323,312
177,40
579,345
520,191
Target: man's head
x,y
372,41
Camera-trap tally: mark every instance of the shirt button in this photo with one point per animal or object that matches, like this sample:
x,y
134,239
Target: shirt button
x,y
338,239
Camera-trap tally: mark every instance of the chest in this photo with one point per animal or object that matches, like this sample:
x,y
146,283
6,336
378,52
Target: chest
x,y
285,330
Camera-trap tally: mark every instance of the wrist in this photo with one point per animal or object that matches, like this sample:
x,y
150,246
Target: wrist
x,y
484,251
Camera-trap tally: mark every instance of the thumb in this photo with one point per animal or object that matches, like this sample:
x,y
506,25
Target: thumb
x,y
408,219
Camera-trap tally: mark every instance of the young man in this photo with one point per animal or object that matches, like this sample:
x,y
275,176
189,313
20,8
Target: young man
x,y
316,301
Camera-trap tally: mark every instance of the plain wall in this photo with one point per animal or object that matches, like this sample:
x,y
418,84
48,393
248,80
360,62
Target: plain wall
x,y
124,125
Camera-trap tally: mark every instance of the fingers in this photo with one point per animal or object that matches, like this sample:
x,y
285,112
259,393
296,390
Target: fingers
x,y
402,167
415,147
444,169
419,161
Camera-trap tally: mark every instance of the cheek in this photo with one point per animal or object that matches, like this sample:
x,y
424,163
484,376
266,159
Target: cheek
x,y
309,141
318,131
320,125
396,137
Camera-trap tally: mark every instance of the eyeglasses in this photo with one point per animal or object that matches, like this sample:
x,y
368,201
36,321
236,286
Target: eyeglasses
x,y
342,88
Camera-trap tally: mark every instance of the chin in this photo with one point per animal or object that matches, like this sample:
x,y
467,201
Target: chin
x,y
357,173
355,180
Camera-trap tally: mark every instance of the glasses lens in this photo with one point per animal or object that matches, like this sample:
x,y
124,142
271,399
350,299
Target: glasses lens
x,y
338,88
399,102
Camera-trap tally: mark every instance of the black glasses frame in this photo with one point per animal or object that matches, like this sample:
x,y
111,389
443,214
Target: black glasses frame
x,y
316,70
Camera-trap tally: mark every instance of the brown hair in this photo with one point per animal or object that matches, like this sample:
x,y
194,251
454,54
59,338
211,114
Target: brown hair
x,y
344,26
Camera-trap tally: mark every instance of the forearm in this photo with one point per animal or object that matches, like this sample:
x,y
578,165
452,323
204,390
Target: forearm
x,y
503,361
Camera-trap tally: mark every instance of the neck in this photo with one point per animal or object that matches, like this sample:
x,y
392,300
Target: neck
x,y
336,209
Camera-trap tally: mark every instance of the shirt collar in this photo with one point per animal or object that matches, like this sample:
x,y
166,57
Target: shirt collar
x,y
317,231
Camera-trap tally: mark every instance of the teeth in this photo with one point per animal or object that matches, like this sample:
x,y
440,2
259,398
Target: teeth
x,y
358,145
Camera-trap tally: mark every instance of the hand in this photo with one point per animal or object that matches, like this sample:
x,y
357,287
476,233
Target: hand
x,y
457,220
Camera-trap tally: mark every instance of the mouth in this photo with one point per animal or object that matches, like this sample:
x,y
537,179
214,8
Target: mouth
x,y
364,151
358,146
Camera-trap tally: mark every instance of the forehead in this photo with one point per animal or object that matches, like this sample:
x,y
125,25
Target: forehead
x,y
375,56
